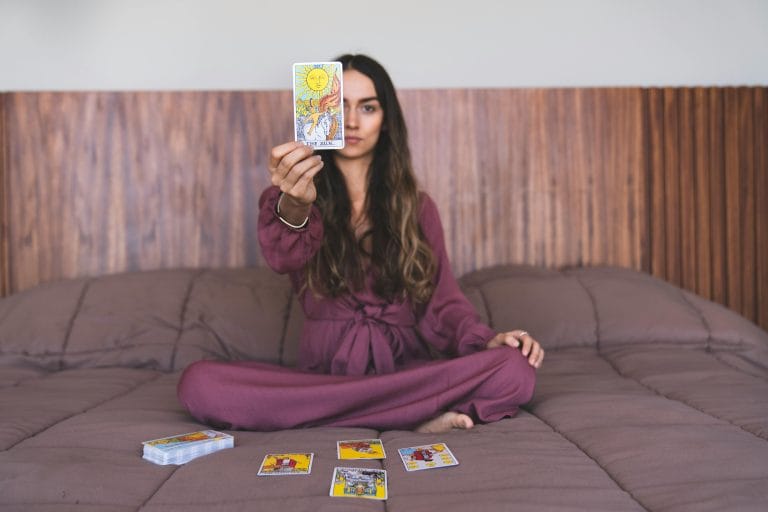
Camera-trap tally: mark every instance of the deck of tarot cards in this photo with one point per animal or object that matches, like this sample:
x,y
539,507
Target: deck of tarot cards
x,y
183,448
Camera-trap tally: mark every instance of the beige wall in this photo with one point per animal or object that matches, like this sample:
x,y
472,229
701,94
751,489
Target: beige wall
x,y
249,44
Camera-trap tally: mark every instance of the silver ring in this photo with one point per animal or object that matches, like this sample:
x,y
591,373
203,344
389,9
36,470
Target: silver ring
x,y
522,334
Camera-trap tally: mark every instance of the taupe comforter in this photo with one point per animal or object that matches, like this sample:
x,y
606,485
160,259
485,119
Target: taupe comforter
x,y
650,398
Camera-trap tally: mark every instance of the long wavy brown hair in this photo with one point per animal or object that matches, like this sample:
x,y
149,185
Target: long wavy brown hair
x,y
402,262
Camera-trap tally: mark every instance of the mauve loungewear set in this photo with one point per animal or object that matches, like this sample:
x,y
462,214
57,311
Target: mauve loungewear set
x,y
363,361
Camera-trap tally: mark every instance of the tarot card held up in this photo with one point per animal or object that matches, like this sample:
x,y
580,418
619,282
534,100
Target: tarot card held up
x,y
361,449
282,464
428,456
359,483
318,112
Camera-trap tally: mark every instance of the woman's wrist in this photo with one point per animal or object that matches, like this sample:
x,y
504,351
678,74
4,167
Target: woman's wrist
x,y
291,214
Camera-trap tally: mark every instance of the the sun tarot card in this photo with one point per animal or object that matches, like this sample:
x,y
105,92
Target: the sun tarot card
x,y
318,111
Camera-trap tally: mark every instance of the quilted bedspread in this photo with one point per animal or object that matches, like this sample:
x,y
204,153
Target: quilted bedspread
x,y
650,398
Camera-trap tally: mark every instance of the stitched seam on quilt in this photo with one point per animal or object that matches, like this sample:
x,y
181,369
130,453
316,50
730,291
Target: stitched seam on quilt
x,y
71,323
485,306
222,344
17,383
594,311
157,489
240,501
704,322
590,457
81,352
717,356
710,338
659,284
678,400
184,306
647,386
593,300
65,418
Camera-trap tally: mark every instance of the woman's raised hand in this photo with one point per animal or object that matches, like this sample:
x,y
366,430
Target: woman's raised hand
x,y
292,167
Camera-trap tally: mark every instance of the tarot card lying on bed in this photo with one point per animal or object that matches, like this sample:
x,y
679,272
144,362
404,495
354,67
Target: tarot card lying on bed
x,y
429,456
359,483
360,449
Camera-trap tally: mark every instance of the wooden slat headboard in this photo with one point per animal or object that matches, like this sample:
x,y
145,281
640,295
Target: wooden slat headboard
x,y
670,181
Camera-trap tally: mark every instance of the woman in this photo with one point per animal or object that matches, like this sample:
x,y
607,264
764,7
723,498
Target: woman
x,y
365,253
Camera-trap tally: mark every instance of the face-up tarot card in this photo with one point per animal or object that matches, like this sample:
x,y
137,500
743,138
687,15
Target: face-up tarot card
x,y
360,449
359,483
282,464
318,111
428,456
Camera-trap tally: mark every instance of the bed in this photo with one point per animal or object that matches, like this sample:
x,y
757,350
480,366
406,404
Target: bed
x,y
651,398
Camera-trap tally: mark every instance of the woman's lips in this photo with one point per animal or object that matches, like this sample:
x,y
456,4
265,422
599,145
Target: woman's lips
x,y
352,140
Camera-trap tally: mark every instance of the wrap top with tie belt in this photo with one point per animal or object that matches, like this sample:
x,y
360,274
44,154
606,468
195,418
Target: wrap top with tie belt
x,y
369,337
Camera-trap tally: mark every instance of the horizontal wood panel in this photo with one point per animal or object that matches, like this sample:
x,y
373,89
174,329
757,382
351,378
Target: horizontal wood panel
x,y
671,181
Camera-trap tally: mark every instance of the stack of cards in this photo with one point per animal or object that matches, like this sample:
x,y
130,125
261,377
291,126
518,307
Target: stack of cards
x,y
182,448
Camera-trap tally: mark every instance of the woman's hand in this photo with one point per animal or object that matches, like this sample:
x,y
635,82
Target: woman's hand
x,y
292,167
529,347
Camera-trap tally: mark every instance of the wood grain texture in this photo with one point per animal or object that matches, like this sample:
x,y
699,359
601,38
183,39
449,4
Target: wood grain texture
x,y
761,205
701,167
4,268
108,182
708,168
549,177
717,218
672,181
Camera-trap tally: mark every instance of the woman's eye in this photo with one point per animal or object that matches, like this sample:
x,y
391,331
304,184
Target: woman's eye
x,y
369,108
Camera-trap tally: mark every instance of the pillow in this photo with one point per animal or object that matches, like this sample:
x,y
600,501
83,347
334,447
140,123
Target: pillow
x,y
610,307
552,306
235,314
162,319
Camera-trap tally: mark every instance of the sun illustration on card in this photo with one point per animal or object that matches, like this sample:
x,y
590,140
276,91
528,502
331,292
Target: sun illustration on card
x,y
314,81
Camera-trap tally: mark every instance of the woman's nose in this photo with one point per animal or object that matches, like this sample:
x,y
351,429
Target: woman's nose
x,y
350,118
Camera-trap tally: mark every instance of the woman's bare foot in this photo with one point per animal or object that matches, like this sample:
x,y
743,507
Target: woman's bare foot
x,y
445,423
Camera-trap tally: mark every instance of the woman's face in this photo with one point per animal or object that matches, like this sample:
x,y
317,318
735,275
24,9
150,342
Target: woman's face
x,y
363,117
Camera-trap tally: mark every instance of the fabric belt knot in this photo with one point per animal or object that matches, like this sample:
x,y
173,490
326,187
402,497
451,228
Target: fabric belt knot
x,y
371,342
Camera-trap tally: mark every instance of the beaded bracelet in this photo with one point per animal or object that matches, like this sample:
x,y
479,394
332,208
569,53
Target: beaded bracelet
x,y
294,226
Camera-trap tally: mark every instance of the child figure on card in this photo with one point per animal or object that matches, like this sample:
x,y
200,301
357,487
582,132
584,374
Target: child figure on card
x,y
365,252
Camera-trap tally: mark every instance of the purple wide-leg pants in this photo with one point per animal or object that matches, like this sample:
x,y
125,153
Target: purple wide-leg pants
x,y
487,385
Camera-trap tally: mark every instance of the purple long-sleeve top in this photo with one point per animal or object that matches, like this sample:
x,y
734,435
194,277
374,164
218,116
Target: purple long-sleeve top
x,y
360,332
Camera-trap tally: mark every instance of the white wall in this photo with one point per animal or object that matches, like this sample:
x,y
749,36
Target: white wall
x,y
241,44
